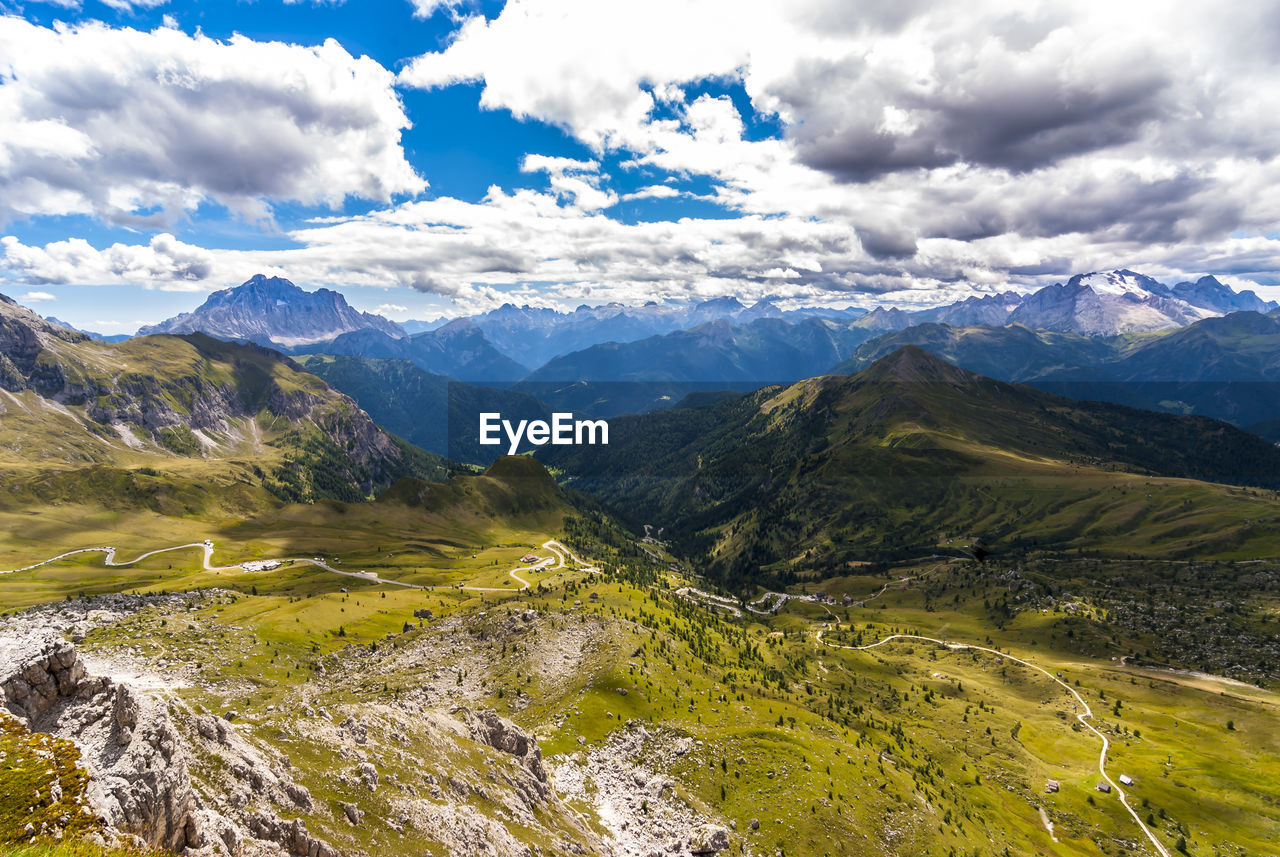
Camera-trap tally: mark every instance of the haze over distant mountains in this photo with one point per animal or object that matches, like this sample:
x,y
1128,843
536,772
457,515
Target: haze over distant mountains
x,y
273,311
1118,336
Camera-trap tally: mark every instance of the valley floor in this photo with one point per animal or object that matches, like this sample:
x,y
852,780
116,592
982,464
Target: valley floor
x,y
377,692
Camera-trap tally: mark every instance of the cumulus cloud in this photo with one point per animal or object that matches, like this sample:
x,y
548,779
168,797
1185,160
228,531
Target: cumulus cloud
x,y
36,297
922,155
163,261
653,191
481,253
1086,127
574,181
427,8
137,127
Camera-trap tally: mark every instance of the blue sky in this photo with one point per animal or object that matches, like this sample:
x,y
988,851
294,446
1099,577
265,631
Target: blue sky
x,y
433,158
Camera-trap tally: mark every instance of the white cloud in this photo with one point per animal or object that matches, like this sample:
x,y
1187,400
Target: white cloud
x,y
164,261
577,182
924,155
481,255
390,309
427,8
36,297
1102,131
138,127
130,5
654,191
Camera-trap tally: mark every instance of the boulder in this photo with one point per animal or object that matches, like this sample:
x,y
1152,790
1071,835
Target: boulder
x,y
708,839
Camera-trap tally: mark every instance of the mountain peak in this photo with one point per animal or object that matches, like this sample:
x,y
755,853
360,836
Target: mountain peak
x,y
275,311
912,364
1209,292
1120,282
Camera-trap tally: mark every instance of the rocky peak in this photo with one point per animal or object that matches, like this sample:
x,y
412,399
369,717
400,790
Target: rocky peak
x,y
1210,293
273,310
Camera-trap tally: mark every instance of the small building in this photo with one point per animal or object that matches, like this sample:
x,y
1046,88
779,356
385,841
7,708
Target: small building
x,y
1126,780
1051,787
529,558
1105,788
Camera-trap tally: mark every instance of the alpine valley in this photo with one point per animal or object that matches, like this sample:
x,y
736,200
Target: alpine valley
x,y
999,577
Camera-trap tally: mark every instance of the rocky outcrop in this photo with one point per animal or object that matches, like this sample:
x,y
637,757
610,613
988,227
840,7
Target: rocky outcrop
x,y
137,768
51,671
488,727
291,835
139,764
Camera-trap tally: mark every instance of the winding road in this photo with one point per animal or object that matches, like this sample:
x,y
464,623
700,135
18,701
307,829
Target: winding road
x,y
555,561
1083,716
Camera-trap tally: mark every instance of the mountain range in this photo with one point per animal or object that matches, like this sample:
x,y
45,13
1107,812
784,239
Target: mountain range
x,y
768,350
1225,367
214,416
535,335
1116,336
511,342
458,349
915,456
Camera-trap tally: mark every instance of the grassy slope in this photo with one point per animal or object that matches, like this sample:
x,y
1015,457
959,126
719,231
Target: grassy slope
x,y
913,457
420,532
887,752
431,411
889,749
258,420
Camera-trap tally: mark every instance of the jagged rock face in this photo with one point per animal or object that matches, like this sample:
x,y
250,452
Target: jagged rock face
x,y
272,309
1106,303
52,672
708,839
1210,293
139,765
24,337
138,772
499,733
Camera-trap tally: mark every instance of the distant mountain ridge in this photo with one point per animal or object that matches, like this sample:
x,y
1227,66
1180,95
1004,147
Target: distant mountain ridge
x,y
766,350
273,311
104,337
652,342
536,335
458,349
1226,367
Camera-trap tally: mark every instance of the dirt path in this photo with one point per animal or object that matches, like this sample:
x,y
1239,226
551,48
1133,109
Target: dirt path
x,y
556,560
706,599
1084,716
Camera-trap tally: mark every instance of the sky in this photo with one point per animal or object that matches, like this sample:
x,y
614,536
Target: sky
x,y
442,157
